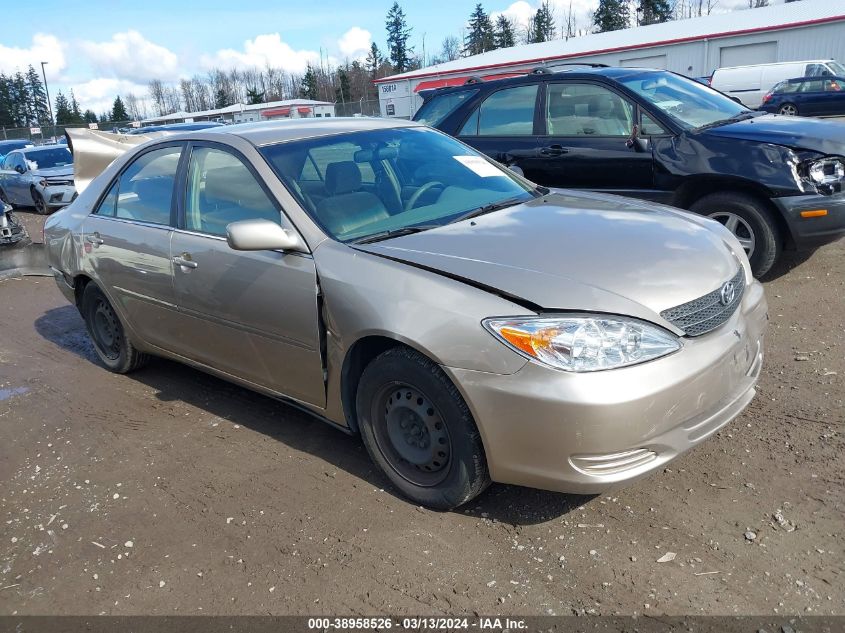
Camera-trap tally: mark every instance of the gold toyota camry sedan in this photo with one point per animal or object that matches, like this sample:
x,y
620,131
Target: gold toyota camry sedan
x,y
468,324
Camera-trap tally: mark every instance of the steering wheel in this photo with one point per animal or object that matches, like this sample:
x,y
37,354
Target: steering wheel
x,y
419,192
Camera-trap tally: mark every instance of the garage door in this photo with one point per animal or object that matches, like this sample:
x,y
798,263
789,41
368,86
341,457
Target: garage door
x,y
655,61
748,54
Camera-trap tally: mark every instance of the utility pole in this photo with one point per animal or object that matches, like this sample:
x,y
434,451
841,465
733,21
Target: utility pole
x,y
47,90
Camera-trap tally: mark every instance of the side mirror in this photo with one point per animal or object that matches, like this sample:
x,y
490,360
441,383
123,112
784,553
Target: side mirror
x,y
262,235
517,170
635,141
20,169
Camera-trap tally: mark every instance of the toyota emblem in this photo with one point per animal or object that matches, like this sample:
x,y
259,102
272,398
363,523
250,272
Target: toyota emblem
x,y
727,294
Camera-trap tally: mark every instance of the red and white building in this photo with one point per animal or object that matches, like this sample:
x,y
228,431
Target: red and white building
x,y
247,113
811,29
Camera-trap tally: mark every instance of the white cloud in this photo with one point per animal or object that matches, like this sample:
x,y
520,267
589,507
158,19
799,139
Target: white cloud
x,y
98,94
130,56
264,50
45,48
355,43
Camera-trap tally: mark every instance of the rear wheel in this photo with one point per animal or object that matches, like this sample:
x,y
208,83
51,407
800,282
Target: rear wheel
x,y
751,222
419,431
113,347
40,204
788,109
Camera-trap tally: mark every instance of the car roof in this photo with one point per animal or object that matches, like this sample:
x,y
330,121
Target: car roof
x,y
15,143
271,132
575,73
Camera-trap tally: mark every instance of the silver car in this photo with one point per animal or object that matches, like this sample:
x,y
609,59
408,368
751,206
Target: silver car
x,y
41,177
469,325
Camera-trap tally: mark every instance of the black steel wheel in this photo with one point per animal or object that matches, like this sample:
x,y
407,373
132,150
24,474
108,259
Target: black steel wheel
x,y
107,333
419,431
40,204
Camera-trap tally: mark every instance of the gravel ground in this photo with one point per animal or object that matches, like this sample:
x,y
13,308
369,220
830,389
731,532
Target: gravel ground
x,y
172,492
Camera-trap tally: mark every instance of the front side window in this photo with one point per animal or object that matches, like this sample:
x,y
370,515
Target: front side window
x,y
145,189
222,190
433,111
508,112
687,102
582,109
425,179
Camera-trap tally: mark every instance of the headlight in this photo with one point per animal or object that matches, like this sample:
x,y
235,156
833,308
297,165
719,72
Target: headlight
x,y
825,171
584,343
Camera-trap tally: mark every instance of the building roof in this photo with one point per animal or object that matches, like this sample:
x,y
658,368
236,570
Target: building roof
x,y
238,107
739,22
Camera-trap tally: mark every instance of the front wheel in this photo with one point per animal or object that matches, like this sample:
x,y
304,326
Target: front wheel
x,y
40,204
113,347
788,109
417,428
751,222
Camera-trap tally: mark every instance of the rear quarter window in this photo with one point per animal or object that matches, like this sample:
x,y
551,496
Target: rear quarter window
x,y
436,109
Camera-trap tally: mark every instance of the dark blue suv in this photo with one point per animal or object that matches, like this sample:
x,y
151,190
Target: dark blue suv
x,y
776,182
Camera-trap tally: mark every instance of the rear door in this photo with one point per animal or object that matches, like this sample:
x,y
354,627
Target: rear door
x,y
810,97
126,241
504,126
584,141
253,315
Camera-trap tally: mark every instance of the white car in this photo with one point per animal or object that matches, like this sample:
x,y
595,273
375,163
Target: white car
x,y
750,83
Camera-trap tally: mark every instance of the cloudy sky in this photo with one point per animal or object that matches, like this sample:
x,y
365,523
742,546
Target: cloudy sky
x,y
103,48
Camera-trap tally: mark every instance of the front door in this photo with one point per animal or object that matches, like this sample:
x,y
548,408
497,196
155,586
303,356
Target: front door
x,y
126,241
253,315
14,181
584,143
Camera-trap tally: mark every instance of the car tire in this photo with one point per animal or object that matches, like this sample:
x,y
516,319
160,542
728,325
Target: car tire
x,y
108,334
5,199
750,220
417,428
788,109
39,203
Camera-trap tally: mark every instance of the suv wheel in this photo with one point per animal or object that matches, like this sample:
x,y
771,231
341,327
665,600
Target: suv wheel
x,y
419,431
750,220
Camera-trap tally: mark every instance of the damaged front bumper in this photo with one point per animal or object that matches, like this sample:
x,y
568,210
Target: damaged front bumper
x,y
11,231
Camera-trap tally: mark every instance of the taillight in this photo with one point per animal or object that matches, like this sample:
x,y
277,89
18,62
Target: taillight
x,y
767,98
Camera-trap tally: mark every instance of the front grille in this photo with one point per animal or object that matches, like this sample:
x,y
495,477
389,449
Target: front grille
x,y
706,313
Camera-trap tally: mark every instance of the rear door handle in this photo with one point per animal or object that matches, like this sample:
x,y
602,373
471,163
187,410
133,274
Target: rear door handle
x,y
95,239
553,150
185,261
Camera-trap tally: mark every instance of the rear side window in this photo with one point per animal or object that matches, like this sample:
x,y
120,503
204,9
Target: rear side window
x,y
439,107
108,205
508,112
222,190
814,85
145,189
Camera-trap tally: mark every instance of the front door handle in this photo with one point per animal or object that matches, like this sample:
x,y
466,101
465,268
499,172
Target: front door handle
x,y
95,239
553,150
184,260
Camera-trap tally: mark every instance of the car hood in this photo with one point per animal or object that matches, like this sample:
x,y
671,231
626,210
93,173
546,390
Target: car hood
x,y
578,251
827,137
54,172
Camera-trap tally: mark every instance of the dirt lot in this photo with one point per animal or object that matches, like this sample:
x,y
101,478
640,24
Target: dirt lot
x,y
172,492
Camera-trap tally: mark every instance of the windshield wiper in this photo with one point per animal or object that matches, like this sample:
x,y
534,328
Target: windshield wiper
x,y
489,208
386,235
742,116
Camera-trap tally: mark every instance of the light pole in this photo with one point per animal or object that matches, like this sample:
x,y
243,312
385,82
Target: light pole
x,y
47,90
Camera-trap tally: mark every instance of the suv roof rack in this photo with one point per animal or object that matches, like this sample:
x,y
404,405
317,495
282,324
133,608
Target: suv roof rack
x,y
545,70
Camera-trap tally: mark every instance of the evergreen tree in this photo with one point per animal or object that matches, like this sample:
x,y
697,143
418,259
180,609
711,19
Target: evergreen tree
x,y
77,117
104,117
253,96
611,15
308,89
654,11
89,117
398,33
543,24
221,98
6,116
374,61
118,111
480,38
503,33
63,113
343,92
20,101
39,109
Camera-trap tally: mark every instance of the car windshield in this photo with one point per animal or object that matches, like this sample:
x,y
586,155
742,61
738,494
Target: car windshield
x,y
46,158
382,182
688,102
837,68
